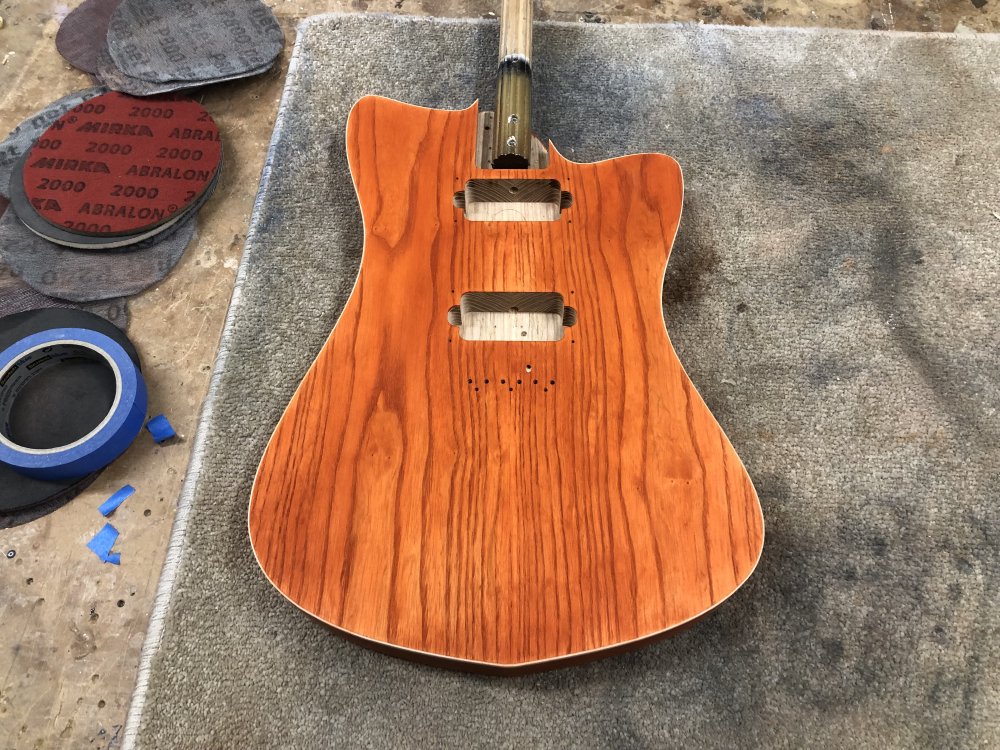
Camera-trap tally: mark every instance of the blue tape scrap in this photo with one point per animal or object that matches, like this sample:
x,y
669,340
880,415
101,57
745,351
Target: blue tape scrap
x,y
160,429
109,505
102,543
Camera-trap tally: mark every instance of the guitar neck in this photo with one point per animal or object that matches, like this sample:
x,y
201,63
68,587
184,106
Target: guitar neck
x,y
512,122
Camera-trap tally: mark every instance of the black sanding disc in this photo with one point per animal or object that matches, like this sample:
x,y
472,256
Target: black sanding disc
x,y
151,40
18,492
117,80
21,138
83,33
117,165
86,275
16,295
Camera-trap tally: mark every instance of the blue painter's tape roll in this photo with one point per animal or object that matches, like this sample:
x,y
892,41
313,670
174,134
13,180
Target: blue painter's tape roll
x,y
24,360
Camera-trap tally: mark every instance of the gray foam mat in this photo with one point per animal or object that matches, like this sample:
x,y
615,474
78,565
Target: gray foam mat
x,y
832,293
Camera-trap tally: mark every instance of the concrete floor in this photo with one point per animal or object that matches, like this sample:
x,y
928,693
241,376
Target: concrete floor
x,y
71,627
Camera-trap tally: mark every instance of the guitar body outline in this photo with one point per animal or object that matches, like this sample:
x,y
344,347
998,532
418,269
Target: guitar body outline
x,y
502,506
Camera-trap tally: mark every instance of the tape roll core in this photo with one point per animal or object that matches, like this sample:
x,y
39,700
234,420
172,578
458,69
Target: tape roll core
x,y
33,355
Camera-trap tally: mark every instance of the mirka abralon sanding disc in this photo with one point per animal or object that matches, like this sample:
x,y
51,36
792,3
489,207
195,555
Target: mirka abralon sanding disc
x,y
117,165
25,211
21,138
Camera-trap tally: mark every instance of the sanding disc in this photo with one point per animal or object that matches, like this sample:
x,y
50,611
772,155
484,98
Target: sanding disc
x,y
21,138
117,80
26,212
83,33
82,276
118,165
149,39
16,295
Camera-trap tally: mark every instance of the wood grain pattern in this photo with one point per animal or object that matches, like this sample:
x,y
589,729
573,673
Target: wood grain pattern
x,y
502,506
515,29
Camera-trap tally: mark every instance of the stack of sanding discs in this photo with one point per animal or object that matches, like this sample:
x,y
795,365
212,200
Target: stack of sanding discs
x,y
116,172
148,47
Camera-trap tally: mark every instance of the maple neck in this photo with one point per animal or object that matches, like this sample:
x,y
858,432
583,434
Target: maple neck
x,y
512,121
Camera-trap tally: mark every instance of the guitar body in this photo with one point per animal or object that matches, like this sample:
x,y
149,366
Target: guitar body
x,y
502,506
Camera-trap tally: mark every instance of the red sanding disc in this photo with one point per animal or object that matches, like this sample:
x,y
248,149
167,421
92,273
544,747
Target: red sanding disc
x,y
118,165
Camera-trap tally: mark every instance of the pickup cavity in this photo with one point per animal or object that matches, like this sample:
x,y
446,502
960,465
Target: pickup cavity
x,y
513,200
511,316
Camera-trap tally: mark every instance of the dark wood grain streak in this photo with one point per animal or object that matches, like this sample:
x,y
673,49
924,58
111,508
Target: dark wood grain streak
x,y
433,497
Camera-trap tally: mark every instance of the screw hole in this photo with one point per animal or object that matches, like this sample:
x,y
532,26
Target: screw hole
x,y
502,381
486,381
477,387
552,382
519,381
470,381
121,602
527,368
546,390
535,382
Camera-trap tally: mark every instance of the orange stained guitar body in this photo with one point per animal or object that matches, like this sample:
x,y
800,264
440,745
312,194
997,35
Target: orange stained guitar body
x,y
502,506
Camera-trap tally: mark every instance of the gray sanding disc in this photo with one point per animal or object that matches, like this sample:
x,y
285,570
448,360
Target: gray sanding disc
x,y
21,138
87,275
117,80
83,33
17,296
206,41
